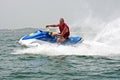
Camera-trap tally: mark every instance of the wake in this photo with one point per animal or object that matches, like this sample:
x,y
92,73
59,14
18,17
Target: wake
x,y
85,48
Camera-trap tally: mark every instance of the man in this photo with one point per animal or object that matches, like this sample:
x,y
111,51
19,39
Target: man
x,y
64,30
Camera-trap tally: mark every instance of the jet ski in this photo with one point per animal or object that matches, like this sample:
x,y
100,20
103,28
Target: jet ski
x,y
41,37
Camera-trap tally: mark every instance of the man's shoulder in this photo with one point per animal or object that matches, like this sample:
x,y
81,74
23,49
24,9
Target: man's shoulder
x,y
65,24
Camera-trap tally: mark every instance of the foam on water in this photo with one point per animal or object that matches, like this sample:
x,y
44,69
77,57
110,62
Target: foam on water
x,y
85,48
99,39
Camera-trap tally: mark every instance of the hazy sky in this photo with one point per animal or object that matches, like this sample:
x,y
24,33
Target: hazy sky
x,y
35,13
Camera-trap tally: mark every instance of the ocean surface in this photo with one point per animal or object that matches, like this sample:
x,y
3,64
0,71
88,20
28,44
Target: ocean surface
x,y
96,59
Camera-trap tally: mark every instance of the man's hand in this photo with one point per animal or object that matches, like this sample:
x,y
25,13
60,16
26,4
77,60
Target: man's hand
x,y
47,26
59,35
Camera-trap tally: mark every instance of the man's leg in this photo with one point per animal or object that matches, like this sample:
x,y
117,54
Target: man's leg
x,y
60,39
54,34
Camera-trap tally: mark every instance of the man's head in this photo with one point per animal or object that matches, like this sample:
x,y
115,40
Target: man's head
x,y
61,21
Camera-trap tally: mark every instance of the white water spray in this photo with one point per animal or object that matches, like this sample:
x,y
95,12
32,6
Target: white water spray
x,y
106,41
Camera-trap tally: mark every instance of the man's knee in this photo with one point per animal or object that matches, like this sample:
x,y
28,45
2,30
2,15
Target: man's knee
x,y
54,34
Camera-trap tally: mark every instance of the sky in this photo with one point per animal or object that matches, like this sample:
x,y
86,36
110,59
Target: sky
x,y
36,13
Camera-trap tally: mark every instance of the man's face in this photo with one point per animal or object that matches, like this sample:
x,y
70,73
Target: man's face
x,y
61,21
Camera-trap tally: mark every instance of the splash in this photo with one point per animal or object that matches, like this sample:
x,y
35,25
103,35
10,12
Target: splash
x,y
110,34
101,38
85,48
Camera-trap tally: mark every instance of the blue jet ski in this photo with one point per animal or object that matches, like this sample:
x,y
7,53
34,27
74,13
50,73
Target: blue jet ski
x,y
40,37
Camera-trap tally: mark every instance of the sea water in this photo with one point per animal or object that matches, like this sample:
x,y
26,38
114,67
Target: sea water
x,y
96,58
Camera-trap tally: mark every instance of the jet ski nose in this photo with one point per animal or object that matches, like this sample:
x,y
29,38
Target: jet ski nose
x,y
21,43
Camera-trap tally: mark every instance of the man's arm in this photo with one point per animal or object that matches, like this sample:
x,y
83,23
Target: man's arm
x,y
52,25
64,31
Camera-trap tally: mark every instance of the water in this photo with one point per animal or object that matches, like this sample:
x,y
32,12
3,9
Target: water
x,y
94,59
